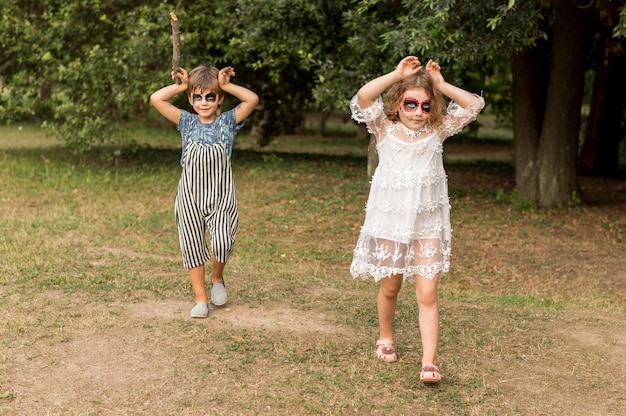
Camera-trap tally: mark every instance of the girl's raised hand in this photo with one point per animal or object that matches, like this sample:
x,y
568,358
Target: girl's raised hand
x,y
223,77
434,70
408,66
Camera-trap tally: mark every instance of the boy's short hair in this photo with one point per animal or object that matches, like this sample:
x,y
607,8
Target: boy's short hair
x,y
204,77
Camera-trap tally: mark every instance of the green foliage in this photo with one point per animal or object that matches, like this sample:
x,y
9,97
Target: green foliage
x,y
461,30
80,66
83,66
292,52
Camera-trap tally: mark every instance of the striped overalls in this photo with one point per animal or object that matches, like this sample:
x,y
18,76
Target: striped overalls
x,y
206,199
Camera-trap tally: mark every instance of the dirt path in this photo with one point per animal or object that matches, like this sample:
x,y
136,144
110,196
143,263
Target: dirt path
x,y
130,358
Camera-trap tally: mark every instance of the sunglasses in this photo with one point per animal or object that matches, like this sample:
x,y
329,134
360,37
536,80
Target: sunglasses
x,y
210,98
411,104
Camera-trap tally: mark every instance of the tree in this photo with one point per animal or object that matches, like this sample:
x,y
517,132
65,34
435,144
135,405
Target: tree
x,y
605,128
80,65
558,138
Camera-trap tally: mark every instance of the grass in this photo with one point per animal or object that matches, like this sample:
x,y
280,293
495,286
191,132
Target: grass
x,y
94,294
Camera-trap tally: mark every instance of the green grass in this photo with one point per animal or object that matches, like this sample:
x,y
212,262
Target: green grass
x,y
87,244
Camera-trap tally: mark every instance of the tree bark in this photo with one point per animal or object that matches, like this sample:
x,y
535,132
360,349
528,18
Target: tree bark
x,y
259,135
321,126
600,152
175,45
558,141
529,69
372,157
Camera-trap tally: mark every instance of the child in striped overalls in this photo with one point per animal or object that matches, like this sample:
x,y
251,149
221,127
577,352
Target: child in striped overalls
x,y
206,197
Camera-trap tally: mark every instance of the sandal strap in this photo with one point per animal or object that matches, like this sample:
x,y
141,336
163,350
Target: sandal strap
x,y
385,341
430,367
385,347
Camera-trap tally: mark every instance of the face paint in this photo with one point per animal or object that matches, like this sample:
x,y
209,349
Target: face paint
x,y
411,104
210,98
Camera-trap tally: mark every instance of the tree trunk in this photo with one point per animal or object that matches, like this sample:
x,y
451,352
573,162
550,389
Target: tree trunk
x,y
529,95
321,125
258,135
600,152
261,120
372,157
558,141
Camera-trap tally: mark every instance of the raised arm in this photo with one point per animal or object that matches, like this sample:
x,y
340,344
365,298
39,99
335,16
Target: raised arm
x,y
368,93
249,99
160,99
462,97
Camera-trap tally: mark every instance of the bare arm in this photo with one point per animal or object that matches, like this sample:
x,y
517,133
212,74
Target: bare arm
x,y
462,97
160,99
249,99
368,93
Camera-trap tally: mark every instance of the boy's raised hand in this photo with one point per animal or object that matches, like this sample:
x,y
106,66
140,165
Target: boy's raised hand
x,y
434,70
223,77
408,66
182,75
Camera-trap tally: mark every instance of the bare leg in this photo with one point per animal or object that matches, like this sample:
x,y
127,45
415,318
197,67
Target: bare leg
x,y
386,302
217,274
426,294
197,283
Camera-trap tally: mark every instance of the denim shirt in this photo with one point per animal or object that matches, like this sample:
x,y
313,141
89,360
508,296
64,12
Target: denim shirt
x,y
223,129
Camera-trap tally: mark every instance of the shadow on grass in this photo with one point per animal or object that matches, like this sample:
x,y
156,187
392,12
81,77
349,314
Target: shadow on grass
x,y
466,176
141,154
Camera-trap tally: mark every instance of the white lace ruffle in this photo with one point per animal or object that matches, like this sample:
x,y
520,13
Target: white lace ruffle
x,y
382,262
365,115
367,271
458,117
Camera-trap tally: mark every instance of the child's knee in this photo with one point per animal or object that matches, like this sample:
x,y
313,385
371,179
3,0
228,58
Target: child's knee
x,y
426,291
390,286
426,297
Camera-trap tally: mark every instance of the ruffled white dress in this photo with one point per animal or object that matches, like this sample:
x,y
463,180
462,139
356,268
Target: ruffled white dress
x,y
407,216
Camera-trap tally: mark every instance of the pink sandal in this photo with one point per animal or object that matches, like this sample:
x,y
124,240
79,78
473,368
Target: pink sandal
x,y
385,350
429,374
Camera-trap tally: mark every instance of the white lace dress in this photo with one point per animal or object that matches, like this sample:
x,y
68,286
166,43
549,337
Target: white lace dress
x,y
407,216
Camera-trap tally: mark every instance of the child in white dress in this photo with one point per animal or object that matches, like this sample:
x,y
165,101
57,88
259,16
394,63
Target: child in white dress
x,y
407,231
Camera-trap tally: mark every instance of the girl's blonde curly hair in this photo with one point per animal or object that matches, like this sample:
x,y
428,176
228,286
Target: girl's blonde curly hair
x,y
392,99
